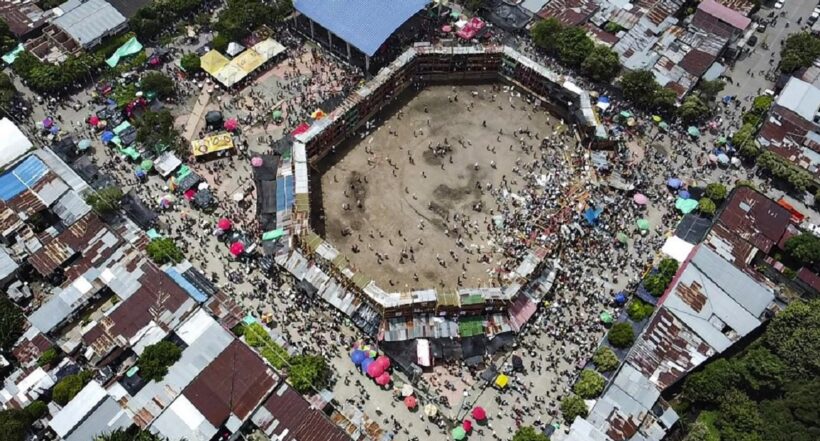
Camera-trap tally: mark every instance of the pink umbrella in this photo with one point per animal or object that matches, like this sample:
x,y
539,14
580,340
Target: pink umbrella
x,y
410,402
301,128
224,224
374,370
189,194
479,413
447,28
256,161
237,248
640,199
231,124
467,425
384,362
383,379
94,120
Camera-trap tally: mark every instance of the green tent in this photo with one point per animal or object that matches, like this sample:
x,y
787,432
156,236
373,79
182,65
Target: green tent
x,y
657,118
643,224
131,47
663,126
147,165
721,140
183,171
686,206
622,238
116,141
693,131
152,234
625,114
122,127
131,152
273,234
458,433
606,317
277,114
12,55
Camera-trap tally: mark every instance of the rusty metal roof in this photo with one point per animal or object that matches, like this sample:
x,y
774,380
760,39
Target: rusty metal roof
x,y
233,384
754,218
290,417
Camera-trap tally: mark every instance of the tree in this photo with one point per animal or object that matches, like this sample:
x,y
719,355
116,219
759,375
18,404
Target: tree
x,y
156,130
257,337
805,247
14,424
7,92
37,409
707,206
709,90
573,46
713,382
239,17
589,385
220,42
762,371
7,40
664,100
639,310
798,50
474,5
693,109
164,250
308,372
70,386
793,336
48,357
601,64
190,63
529,433
639,86
159,83
739,419
698,432
605,359
545,33
133,433
11,323
156,358
573,406
106,200
621,335
744,141
656,284
668,267
716,191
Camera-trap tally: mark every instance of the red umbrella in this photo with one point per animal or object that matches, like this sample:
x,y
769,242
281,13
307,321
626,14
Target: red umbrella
x,y
224,224
231,124
383,361
383,379
467,425
374,370
479,413
189,194
410,402
94,120
237,248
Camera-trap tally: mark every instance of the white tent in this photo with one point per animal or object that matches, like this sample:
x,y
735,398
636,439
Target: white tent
x,y
234,49
13,143
677,248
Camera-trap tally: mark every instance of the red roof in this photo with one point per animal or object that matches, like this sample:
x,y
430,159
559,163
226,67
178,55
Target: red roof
x,y
728,15
295,419
234,383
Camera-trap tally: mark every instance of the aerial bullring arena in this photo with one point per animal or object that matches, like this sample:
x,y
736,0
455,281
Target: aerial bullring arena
x,y
429,204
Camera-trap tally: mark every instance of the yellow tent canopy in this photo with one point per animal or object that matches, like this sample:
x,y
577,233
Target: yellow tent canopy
x,y
248,61
501,381
212,62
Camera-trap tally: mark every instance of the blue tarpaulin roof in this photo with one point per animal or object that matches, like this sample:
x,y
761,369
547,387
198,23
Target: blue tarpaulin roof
x,y
365,24
284,193
192,291
25,175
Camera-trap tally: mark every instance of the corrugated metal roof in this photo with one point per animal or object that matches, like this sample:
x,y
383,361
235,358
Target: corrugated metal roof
x,y
13,144
71,207
7,264
182,420
88,20
76,410
22,177
286,416
106,418
801,98
365,24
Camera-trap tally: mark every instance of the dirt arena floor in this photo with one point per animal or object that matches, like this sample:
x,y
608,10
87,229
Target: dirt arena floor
x,y
390,194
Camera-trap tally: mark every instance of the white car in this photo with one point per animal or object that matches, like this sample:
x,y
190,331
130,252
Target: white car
x,y
778,5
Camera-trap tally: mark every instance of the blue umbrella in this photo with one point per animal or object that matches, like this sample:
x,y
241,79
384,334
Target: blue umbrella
x,y
54,130
684,194
674,182
84,144
358,357
107,136
366,363
620,298
139,172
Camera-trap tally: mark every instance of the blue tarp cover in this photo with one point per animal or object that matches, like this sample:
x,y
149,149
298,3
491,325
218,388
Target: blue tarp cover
x,y
365,24
25,175
284,193
192,291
